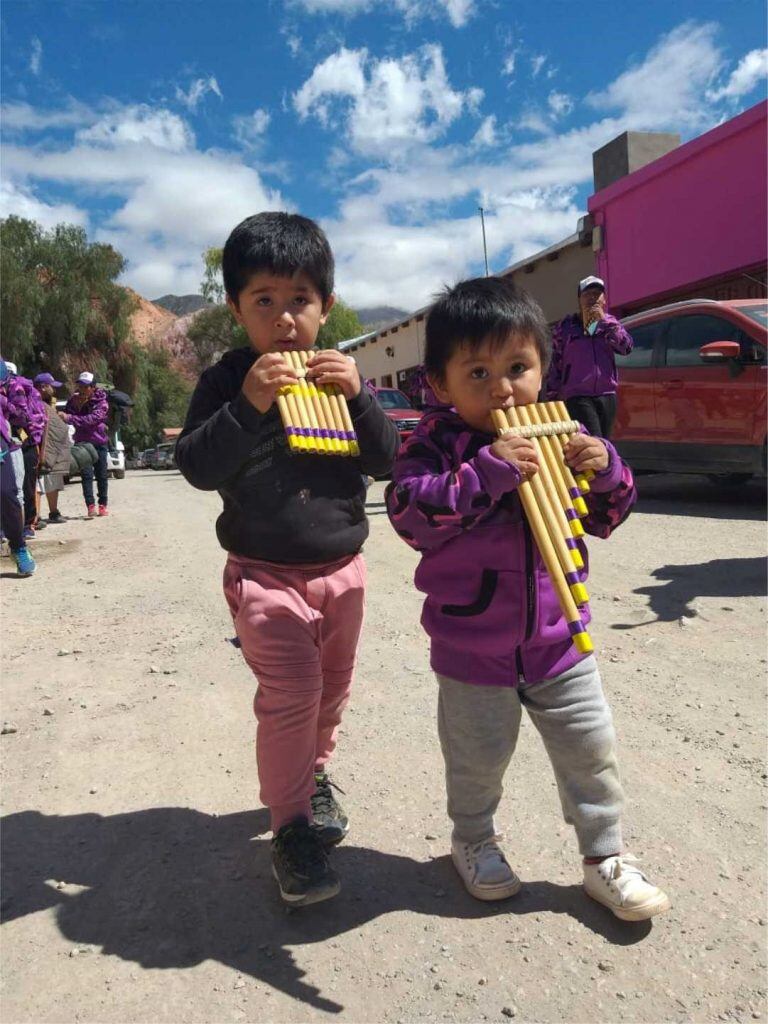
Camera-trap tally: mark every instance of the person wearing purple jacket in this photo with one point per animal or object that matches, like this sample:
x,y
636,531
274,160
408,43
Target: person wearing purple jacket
x,y
499,641
11,512
87,410
583,372
26,414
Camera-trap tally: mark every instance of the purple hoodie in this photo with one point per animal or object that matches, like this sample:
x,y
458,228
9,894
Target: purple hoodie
x,y
90,418
25,409
584,364
5,426
491,611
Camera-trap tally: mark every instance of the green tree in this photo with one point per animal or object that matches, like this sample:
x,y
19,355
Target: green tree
x,y
60,297
161,397
212,285
342,324
213,331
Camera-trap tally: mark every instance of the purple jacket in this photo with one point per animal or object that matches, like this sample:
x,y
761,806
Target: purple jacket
x,y
25,409
584,364
90,418
5,426
491,611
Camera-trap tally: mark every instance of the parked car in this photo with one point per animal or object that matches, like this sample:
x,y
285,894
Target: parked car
x,y
163,457
692,393
399,410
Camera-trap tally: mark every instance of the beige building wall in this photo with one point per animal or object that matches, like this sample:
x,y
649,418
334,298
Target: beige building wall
x,y
389,356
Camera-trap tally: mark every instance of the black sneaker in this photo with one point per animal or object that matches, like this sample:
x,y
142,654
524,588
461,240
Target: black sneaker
x,y
56,517
330,821
300,865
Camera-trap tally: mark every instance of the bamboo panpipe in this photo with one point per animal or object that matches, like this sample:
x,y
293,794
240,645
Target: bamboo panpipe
x,y
549,504
315,416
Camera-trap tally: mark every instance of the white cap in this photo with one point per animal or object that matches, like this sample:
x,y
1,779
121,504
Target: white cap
x,y
85,378
11,367
591,282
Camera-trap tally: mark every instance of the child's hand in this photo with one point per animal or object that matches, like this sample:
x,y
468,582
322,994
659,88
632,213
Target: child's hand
x,y
268,374
329,366
585,452
517,451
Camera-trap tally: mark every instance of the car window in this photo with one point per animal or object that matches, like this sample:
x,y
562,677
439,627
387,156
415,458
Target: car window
x,y
688,333
643,339
392,400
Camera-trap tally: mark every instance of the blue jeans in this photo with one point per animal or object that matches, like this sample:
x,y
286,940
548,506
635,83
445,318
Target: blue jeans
x,y
100,470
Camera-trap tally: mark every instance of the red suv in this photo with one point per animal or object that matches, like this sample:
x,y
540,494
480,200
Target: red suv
x,y
692,392
399,409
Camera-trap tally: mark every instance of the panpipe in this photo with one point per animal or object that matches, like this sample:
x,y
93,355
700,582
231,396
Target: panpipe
x,y
315,416
553,503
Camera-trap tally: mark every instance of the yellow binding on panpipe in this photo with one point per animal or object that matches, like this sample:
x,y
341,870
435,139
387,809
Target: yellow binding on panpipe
x,y
552,501
315,416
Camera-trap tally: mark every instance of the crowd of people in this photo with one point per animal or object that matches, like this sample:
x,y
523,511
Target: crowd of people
x,y
40,447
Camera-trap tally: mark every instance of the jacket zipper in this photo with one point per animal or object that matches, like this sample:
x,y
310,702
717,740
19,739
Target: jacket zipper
x,y
530,597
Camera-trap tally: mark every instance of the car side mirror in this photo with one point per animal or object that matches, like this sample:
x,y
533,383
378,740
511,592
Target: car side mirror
x,y
717,351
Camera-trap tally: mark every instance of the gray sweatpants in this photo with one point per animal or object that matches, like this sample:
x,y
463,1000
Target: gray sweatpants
x,y
478,728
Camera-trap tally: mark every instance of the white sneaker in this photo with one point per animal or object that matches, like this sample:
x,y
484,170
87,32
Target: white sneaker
x,y
484,869
621,886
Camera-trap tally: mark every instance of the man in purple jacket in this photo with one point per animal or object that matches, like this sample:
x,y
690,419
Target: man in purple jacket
x,y
583,369
87,410
26,414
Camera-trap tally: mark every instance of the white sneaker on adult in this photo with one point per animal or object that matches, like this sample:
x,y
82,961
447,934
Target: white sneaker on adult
x,y
484,869
619,884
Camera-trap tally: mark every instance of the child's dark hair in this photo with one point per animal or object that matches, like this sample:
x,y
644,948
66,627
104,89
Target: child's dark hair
x,y
483,309
281,244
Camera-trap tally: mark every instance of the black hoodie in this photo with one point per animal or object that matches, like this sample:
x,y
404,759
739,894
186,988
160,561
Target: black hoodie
x,y
277,506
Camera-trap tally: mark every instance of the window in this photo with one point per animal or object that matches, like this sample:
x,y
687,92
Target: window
x,y
386,380
643,340
688,333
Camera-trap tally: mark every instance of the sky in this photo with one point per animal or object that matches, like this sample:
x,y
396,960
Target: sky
x,y
158,126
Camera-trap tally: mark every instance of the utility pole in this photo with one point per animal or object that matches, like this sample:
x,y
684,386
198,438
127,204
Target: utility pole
x,y
485,248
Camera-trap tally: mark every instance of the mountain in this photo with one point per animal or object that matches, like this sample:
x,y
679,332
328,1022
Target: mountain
x,y
181,305
375,317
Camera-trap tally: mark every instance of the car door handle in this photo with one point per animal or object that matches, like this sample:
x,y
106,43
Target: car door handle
x,y
673,385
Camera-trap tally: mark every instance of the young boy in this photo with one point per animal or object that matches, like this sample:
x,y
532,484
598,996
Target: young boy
x,y
499,639
293,526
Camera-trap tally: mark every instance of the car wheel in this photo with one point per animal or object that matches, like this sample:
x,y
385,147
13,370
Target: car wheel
x,y
729,479
119,474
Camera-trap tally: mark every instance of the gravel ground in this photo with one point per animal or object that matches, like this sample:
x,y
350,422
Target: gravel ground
x,y
136,882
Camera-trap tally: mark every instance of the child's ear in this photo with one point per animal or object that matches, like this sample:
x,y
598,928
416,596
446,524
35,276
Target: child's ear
x,y
235,311
327,307
438,386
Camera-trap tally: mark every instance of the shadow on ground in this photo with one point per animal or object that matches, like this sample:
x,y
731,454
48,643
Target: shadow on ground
x,y
170,887
673,597
681,494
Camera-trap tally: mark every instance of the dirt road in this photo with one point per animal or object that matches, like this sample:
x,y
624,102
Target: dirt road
x,y
136,883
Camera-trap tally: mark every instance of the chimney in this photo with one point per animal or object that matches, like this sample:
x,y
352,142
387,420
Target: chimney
x,y
629,152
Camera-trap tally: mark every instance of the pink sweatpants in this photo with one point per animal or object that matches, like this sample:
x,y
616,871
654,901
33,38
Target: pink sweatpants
x,y
299,627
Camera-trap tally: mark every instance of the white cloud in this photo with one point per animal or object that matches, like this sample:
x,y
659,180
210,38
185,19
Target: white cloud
x,y
458,12
36,57
533,120
486,133
667,89
250,128
508,67
139,125
537,63
18,200
391,103
173,201
751,70
197,90
560,104
24,117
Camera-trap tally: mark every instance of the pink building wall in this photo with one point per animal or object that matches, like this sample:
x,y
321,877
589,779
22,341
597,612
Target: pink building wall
x,y
696,213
